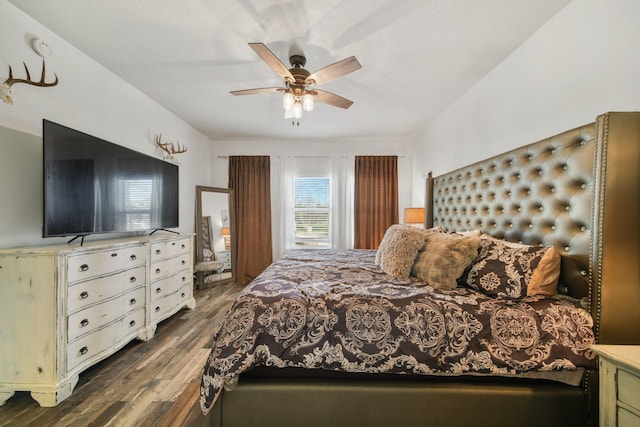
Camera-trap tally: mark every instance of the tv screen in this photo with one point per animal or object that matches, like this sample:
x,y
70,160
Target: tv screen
x,y
95,186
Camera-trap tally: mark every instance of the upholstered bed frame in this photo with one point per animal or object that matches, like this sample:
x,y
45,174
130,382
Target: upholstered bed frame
x,y
577,191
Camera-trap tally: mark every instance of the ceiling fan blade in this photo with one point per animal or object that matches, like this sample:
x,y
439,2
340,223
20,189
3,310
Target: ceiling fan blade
x,y
257,90
272,60
332,99
335,70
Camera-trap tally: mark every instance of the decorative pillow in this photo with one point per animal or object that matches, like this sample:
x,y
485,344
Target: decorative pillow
x,y
399,248
513,271
544,280
444,258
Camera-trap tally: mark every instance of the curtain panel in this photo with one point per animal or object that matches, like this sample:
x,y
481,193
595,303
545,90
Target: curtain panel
x,y
342,170
376,199
283,173
249,177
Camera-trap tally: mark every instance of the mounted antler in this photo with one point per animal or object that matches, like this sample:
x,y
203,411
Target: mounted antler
x,y
5,87
168,147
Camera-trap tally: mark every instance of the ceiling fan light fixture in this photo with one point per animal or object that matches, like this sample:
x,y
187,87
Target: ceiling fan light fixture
x,y
297,110
288,113
307,102
288,100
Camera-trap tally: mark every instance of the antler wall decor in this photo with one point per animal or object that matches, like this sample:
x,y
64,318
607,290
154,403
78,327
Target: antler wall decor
x,y
169,148
5,87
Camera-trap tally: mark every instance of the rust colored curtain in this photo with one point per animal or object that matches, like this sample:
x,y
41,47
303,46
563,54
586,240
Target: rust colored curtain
x,y
249,178
376,199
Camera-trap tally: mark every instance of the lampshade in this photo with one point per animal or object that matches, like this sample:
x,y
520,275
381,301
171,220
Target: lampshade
x,y
414,215
307,102
225,231
287,100
297,110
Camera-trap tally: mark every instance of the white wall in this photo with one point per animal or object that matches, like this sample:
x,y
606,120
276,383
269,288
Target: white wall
x,y
89,98
583,62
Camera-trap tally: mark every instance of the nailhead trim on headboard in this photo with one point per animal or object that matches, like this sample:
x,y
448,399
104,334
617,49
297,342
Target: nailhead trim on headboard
x,y
597,217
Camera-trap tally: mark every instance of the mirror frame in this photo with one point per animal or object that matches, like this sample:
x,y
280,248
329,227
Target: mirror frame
x,y
199,245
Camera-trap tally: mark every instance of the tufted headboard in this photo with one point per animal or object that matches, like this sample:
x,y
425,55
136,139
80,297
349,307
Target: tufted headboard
x,y
577,191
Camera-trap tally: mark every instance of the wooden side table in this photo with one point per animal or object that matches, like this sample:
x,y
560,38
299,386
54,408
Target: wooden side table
x,y
619,385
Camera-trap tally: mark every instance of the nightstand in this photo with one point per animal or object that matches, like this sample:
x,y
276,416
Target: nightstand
x,y
619,385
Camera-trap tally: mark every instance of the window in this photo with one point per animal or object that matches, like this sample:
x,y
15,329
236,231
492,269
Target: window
x,y
136,204
311,212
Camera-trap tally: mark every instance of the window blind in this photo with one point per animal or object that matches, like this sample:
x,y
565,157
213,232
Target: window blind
x,y
311,212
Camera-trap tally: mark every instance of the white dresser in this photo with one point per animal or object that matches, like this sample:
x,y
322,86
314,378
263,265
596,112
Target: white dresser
x,y
619,385
170,278
225,258
65,307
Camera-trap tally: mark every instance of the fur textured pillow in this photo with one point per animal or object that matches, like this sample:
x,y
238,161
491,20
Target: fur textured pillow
x,y
444,258
399,248
507,270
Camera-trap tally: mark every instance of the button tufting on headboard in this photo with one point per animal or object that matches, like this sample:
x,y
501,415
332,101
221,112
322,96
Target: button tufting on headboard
x,y
577,191
538,194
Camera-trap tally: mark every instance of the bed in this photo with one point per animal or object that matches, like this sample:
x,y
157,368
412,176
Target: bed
x,y
348,338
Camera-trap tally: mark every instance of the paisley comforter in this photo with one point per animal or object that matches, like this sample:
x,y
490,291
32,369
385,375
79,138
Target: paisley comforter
x,y
336,310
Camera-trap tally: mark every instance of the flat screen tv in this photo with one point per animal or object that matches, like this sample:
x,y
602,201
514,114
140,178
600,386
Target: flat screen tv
x,y
94,186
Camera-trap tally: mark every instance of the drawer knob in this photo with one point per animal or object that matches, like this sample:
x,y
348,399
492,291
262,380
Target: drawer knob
x,y
132,279
84,267
182,295
158,251
132,301
84,322
183,262
158,290
84,350
132,323
184,278
157,271
157,309
84,295
114,254
184,246
133,257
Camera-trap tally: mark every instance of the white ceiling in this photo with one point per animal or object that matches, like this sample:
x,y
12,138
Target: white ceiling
x,y
417,56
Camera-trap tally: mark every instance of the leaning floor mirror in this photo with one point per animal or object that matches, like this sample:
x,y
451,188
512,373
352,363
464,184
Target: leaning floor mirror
x,y
214,237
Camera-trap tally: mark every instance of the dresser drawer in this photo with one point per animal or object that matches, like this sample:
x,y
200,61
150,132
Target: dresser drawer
x,y
82,294
629,389
169,303
103,339
169,249
96,316
169,285
88,265
224,256
170,266
627,419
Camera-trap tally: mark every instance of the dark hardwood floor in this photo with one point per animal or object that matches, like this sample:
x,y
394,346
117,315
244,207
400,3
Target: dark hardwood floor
x,y
154,383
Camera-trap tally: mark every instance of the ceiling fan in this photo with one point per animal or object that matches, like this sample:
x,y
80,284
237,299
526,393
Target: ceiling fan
x,y
299,84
